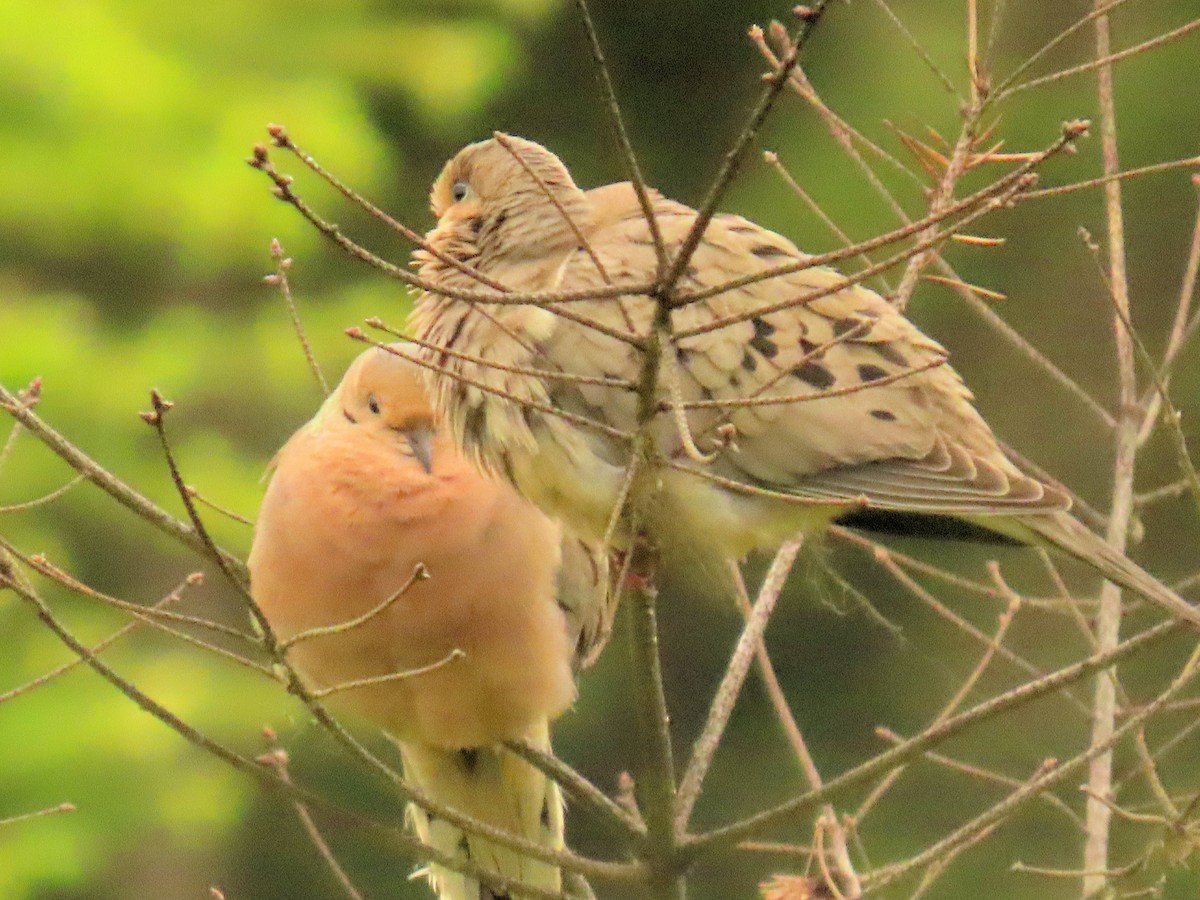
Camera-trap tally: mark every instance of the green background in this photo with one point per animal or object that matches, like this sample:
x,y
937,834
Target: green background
x,y
132,242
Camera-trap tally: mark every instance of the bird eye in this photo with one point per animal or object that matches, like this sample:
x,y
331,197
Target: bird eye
x,y
460,191
372,404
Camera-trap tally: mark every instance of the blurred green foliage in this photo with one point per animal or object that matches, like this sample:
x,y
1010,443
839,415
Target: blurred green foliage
x,y
132,238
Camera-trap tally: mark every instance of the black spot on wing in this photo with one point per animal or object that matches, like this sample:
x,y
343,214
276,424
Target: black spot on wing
x,y
767,251
815,375
474,422
807,346
762,338
762,328
890,353
869,372
545,816
454,336
884,415
531,416
749,363
469,756
849,324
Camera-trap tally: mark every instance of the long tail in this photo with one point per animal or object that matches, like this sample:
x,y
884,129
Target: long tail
x,y
497,787
1072,537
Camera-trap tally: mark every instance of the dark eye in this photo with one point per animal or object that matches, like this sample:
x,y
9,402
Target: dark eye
x,y
460,191
372,404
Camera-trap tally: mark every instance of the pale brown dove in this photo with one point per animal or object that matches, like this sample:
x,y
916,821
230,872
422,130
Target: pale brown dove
x,y
874,428
360,495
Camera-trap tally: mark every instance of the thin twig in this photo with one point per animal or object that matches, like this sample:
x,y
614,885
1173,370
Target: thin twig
x,y
888,560
282,139
772,159
358,335
40,564
766,671
216,507
504,141
1178,334
990,649
986,775
113,486
610,381
96,648
921,52
278,759
849,389
1172,415
26,399
151,616
580,789
938,236
1047,684
280,280
1108,619
731,684
1040,53
846,135
44,499
618,122
38,813
388,677
1101,180
733,158
1036,786
419,573
1104,61
996,194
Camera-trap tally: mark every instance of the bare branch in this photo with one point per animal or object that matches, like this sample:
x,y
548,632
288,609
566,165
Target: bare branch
x,y
989,709
1104,61
280,279
733,159
113,486
731,684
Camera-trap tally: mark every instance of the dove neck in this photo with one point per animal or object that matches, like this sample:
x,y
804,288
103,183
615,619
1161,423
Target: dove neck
x,y
534,227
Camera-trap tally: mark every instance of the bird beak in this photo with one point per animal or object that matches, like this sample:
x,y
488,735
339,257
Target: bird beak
x,y
421,442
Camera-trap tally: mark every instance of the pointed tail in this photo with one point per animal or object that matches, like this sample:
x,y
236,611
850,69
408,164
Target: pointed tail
x,y
1072,537
497,787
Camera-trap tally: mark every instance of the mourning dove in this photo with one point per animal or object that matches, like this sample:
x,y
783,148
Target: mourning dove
x,y
834,409
479,653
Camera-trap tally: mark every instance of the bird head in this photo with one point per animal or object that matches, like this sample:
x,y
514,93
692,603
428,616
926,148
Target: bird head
x,y
382,392
504,195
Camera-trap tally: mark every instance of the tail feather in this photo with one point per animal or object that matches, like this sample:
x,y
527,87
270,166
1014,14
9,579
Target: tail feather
x,y
493,785
1072,537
